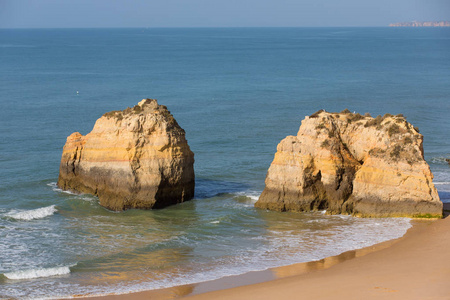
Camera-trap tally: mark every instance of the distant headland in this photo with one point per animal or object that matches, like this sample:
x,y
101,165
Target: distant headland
x,y
421,24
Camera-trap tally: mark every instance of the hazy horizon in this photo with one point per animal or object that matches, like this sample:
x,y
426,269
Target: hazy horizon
x,y
217,14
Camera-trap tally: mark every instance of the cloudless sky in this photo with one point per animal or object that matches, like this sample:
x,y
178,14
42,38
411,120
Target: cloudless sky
x,y
216,13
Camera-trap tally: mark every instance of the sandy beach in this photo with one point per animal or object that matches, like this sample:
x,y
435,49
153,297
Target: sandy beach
x,y
413,267
416,267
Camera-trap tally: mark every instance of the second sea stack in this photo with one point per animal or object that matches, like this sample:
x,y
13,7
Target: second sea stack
x,y
135,158
347,163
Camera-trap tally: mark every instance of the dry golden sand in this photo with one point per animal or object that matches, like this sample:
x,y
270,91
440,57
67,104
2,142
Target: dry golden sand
x,y
416,266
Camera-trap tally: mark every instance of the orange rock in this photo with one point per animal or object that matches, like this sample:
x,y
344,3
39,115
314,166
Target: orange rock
x,y
352,164
136,158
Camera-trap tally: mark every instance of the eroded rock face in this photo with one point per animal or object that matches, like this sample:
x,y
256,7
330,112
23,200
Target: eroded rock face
x,y
352,164
136,158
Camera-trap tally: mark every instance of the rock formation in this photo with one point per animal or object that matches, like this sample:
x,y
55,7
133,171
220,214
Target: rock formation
x,y
136,158
352,164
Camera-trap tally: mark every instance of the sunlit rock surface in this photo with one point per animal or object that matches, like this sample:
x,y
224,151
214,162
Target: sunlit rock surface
x,y
136,158
352,164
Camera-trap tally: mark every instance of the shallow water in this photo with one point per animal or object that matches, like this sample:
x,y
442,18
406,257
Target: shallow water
x,y
237,93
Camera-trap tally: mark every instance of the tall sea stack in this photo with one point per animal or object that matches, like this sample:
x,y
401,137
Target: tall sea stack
x,y
347,163
135,158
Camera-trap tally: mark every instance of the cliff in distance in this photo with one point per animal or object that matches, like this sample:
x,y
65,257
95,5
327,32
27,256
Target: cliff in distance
x,y
352,164
135,158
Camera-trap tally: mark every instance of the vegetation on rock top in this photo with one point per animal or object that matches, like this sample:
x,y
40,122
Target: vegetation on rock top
x,y
147,105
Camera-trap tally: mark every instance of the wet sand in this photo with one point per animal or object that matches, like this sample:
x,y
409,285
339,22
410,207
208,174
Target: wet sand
x,y
416,266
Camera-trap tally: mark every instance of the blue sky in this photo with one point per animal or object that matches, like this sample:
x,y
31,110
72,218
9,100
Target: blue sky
x,y
216,13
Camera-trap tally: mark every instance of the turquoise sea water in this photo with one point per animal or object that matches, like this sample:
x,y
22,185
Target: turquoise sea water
x,y
237,93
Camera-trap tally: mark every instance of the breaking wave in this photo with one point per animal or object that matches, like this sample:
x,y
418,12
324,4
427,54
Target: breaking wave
x,y
33,214
37,273
252,195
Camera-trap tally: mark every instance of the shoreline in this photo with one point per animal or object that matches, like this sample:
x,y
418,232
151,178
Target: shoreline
x,y
231,287
414,267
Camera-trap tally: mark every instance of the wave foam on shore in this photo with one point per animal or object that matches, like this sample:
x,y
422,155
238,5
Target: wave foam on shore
x,y
37,273
33,214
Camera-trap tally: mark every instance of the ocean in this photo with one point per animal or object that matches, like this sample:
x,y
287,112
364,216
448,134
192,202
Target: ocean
x,y
237,92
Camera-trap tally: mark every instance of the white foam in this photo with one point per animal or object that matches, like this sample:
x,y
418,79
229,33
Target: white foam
x,y
55,188
37,273
317,221
215,222
52,184
33,214
253,195
437,160
344,217
441,183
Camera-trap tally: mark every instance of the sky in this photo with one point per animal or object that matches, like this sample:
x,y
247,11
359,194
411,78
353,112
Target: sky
x,y
217,13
